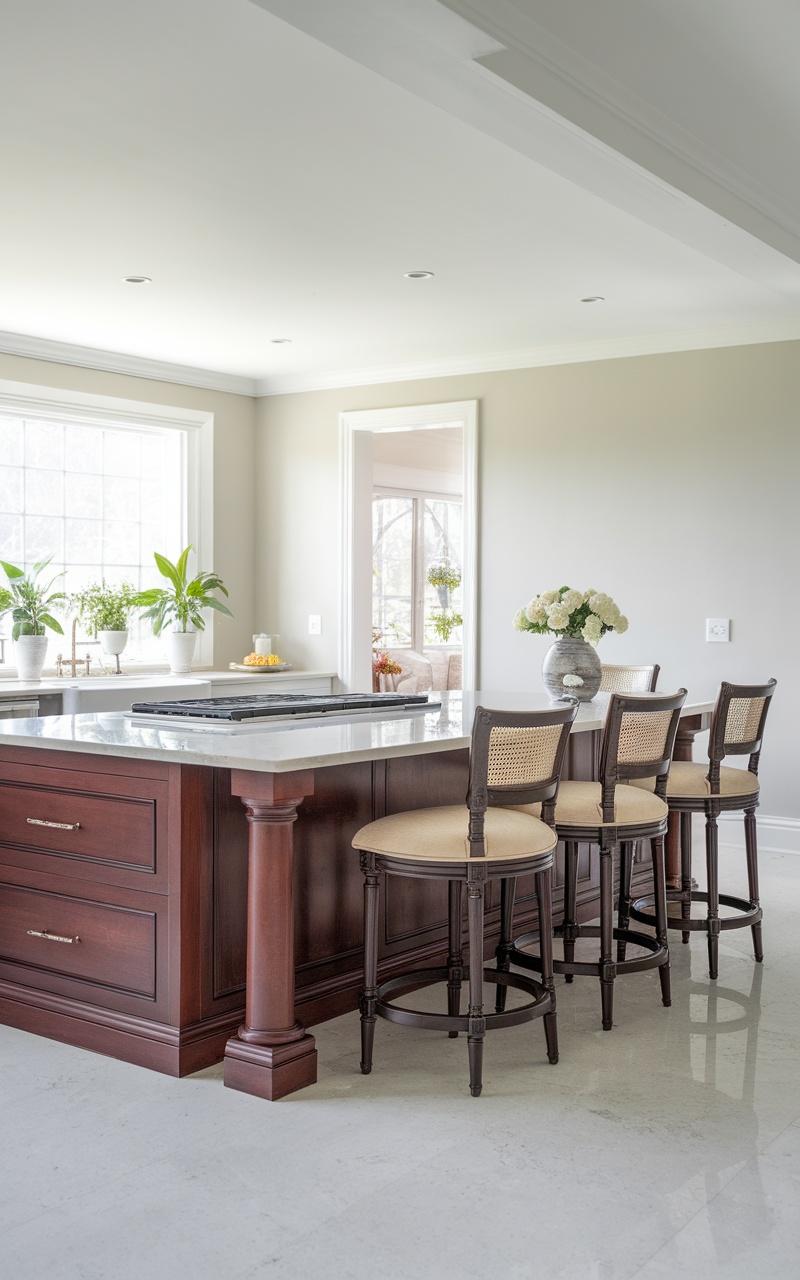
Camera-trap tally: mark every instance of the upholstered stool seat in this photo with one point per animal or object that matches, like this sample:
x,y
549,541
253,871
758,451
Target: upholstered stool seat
x,y
737,728
581,804
638,738
442,835
514,757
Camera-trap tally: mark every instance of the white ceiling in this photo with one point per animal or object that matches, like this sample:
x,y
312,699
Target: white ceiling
x,y
277,183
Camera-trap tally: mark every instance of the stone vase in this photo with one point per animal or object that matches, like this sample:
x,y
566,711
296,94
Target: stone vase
x,y
31,652
572,656
179,647
387,684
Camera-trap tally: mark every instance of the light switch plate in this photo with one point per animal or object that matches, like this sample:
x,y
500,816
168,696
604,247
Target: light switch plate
x,y
718,630
314,624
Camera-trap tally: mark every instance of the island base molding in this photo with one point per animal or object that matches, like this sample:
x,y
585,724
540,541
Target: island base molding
x,y
270,1071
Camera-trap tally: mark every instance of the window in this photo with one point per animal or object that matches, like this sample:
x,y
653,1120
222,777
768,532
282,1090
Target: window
x,y
99,497
412,532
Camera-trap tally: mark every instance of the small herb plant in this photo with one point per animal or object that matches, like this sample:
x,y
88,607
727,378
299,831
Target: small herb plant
x,y
444,574
444,622
182,602
29,601
102,607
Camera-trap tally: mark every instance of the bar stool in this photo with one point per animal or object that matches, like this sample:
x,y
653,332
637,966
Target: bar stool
x,y
629,679
638,738
737,728
513,756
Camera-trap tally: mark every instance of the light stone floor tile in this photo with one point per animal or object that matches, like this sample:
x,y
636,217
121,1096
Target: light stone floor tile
x,y
667,1148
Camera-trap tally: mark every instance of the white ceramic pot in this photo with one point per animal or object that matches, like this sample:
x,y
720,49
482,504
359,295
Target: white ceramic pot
x,y
31,652
112,642
179,647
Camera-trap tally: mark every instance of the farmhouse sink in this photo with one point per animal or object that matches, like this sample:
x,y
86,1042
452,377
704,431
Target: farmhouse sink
x,y
116,693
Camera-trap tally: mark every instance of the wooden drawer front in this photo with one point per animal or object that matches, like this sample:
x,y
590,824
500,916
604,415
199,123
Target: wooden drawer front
x,y
117,946
113,829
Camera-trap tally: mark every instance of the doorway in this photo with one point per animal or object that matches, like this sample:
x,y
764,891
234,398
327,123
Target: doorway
x,y
419,476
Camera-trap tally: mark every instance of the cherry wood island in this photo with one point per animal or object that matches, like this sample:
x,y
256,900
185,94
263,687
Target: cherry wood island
x,y
173,895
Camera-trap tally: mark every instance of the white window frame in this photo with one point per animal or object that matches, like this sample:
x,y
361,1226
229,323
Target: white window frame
x,y
355,492
27,400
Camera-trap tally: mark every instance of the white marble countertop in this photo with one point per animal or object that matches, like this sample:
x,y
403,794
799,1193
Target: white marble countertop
x,y
290,744
10,688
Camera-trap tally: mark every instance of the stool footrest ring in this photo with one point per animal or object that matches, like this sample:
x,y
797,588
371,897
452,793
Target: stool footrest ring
x,y
749,912
658,954
540,1003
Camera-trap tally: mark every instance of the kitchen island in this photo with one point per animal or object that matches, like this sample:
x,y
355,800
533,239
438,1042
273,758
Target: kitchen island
x,y
170,894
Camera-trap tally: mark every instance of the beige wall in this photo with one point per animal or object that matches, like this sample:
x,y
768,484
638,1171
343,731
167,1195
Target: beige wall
x,y
670,482
234,489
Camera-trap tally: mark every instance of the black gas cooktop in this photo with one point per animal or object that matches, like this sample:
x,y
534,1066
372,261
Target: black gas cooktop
x,y
263,706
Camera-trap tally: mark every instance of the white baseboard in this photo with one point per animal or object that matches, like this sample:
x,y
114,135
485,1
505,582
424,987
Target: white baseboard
x,y
775,835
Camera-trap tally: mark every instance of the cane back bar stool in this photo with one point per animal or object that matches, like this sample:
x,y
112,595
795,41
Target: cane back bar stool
x,y
629,679
513,757
737,728
638,738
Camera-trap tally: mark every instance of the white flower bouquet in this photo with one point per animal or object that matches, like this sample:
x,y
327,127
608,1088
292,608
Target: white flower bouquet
x,y
588,614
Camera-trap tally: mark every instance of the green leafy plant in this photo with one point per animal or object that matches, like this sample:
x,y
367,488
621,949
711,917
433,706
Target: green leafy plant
x,y
444,574
444,622
102,607
182,602
29,601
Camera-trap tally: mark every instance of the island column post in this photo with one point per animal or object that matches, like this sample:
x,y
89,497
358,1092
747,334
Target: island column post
x,y
272,1053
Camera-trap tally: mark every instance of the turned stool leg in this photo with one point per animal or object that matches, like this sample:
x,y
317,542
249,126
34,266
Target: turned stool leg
x,y
712,872
455,959
369,995
752,877
607,966
544,898
508,891
624,905
660,890
686,871
570,902
476,1031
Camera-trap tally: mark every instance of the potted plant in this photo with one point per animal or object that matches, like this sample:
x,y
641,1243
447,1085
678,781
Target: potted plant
x,y
445,578
177,609
105,612
30,603
444,622
578,620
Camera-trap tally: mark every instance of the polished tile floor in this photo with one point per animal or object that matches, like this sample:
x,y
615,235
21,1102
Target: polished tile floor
x,y
667,1148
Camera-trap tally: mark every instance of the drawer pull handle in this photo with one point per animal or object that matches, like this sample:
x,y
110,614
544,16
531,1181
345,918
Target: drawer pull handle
x,y
62,826
51,937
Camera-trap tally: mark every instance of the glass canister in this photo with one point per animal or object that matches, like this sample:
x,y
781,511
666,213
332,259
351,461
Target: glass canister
x,y
262,644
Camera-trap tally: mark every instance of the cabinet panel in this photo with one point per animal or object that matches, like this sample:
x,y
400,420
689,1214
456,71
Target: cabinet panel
x,y
111,945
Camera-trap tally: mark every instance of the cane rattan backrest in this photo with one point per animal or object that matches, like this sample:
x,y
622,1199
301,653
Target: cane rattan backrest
x,y
629,679
638,739
737,725
515,759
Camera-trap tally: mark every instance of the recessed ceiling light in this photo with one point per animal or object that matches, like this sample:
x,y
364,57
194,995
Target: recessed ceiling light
x,y
137,280
595,298
277,340
418,275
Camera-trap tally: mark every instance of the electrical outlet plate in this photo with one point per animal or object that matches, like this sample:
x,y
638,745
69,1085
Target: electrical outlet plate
x,y
314,624
718,630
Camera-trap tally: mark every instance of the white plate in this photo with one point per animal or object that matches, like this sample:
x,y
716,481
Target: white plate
x,y
261,671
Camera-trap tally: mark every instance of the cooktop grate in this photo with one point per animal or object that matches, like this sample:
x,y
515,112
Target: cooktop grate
x,y
262,706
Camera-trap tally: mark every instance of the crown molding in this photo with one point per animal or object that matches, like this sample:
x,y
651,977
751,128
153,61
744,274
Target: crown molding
x,y
583,84
18,344
564,353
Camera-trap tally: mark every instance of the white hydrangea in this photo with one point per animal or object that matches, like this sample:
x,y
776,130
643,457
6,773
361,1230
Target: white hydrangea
x,y
592,629
621,624
548,597
572,600
520,618
557,617
536,611
572,682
